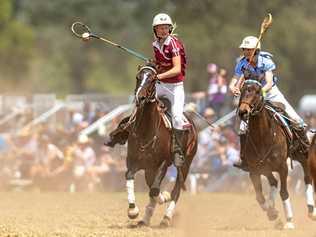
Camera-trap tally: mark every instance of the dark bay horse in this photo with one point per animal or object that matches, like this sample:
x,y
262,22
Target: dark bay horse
x,y
267,150
312,159
149,149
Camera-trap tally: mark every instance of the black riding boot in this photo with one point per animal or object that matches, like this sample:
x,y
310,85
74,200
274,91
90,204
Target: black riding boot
x,y
242,164
119,135
302,139
178,143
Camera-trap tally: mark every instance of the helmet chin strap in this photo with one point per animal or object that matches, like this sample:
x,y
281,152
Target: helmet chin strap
x,y
255,57
160,39
170,31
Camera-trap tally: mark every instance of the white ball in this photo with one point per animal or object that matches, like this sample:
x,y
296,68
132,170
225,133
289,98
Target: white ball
x,y
85,35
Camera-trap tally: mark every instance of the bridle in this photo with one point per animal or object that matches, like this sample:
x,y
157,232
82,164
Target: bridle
x,y
257,107
148,90
150,93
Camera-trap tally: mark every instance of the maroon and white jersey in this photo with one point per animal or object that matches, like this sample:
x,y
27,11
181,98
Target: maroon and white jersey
x,y
172,47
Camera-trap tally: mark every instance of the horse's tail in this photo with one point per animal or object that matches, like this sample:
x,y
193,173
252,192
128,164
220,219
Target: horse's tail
x,y
195,119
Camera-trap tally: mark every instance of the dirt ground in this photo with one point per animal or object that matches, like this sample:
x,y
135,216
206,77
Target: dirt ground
x,y
104,214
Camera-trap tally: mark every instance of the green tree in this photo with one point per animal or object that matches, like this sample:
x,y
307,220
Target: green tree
x,y
16,42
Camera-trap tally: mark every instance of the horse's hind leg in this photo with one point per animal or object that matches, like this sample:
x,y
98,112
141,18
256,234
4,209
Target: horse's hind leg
x,y
309,192
285,197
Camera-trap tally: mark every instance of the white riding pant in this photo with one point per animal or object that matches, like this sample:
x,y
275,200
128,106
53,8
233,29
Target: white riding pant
x,y
174,92
275,95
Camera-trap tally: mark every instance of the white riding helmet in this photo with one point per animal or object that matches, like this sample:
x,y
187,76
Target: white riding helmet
x,y
162,19
250,42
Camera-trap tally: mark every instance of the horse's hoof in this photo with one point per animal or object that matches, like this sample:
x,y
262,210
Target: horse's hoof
x,y
272,214
132,213
164,197
278,225
289,226
166,222
312,215
142,224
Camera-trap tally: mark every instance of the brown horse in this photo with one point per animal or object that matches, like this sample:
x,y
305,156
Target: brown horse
x,y
312,160
149,149
266,150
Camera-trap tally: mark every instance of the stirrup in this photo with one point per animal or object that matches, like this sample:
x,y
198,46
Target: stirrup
x,y
109,142
241,165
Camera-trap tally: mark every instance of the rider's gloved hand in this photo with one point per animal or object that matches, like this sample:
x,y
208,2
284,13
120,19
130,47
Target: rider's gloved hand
x,y
235,90
264,92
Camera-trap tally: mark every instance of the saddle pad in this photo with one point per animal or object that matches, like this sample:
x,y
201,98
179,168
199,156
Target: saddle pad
x,y
281,120
168,123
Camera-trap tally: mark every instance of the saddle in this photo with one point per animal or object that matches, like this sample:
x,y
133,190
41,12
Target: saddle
x,y
277,110
295,135
165,111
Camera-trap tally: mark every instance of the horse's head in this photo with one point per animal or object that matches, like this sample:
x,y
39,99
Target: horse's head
x,y
251,99
145,90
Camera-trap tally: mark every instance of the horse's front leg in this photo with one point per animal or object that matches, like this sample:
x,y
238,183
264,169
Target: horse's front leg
x,y
309,191
150,208
285,198
132,210
271,210
155,187
256,181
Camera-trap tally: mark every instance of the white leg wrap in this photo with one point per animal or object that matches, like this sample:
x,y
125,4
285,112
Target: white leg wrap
x,y
163,197
288,208
193,184
150,208
273,194
130,191
170,209
309,195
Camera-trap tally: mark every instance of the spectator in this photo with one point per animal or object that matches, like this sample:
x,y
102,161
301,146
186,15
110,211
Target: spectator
x,y
226,174
85,158
217,87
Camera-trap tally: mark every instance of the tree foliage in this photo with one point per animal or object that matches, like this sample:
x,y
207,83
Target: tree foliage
x,y
38,49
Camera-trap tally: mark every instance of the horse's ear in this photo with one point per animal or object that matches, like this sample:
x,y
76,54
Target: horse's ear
x,y
152,63
139,67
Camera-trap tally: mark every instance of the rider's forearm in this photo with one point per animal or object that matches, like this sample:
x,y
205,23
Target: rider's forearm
x,y
233,83
269,81
176,70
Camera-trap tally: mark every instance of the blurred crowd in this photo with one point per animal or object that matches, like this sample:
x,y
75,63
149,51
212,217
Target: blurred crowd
x,y
55,156
59,158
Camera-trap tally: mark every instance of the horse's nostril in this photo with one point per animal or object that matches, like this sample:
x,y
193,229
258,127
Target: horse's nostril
x,y
243,114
